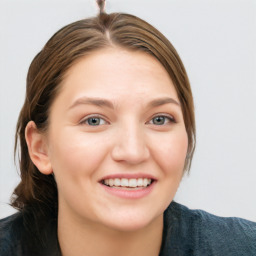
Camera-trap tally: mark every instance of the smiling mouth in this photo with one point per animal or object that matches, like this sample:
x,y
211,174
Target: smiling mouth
x,y
128,184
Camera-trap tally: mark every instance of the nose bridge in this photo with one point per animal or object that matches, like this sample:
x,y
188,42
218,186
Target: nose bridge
x,y
130,143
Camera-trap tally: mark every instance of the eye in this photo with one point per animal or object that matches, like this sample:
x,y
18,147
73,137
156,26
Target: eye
x,y
94,121
162,120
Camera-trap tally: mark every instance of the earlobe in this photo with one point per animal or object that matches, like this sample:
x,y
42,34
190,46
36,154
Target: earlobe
x,y
37,147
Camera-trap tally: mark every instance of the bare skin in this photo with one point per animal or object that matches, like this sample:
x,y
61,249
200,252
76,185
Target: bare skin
x,y
117,115
100,241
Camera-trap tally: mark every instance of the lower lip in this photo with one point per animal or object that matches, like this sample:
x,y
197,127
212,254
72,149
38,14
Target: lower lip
x,y
129,194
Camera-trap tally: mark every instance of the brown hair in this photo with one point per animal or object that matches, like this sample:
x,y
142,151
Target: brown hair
x,y
46,72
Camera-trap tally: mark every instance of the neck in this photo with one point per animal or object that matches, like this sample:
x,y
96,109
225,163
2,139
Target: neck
x,y
93,239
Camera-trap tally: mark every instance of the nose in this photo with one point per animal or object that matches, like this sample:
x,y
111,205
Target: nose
x,y
130,145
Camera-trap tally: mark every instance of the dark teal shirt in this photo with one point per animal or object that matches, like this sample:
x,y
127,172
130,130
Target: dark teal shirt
x,y
196,232
186,233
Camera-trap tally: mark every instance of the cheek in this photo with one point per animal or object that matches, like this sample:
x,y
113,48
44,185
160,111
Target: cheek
x,y
170,154
75,152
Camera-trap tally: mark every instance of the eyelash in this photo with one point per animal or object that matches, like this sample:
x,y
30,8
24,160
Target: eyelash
x,y
166,117
85,121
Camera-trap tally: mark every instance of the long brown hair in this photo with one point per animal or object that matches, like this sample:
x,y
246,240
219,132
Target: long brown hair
x,y
46,73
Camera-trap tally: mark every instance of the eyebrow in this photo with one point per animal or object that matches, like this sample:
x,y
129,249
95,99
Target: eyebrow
x,y
106,103
92,101
162,101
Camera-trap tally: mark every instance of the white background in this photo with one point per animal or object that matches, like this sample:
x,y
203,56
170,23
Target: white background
x,y
216,40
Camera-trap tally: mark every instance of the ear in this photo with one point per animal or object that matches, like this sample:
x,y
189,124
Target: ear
x,y
37,148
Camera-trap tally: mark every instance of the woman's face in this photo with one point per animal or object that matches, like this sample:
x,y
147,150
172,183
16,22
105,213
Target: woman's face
x,y
116,140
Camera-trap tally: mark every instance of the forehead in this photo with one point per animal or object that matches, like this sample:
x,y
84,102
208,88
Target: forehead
x,y
115,73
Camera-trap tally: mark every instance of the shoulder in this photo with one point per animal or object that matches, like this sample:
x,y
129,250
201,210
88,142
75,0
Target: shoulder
x,y
23,234
201,219
200,233
11,229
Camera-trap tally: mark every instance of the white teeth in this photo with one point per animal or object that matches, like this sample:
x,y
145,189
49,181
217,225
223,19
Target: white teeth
x,y
124,183
140,182
117,182
110,182
132,183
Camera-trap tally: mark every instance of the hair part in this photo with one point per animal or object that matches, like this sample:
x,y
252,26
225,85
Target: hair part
x,y
47,70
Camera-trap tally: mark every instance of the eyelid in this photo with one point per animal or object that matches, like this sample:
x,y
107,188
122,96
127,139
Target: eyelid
x,y
83,121
168,116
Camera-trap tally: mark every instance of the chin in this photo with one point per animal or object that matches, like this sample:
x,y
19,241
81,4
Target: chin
x,y
132,221
128,226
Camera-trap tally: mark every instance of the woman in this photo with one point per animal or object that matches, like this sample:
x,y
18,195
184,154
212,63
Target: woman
x,y
106,133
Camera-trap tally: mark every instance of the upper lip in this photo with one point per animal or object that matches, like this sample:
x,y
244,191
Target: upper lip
x,y
128,176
